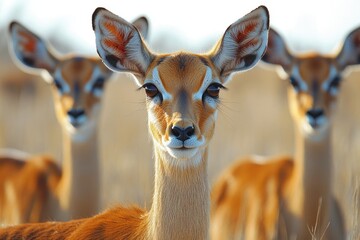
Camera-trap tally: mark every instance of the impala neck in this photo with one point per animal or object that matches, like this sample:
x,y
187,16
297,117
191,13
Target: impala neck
x,y
80,182
313,162
181,200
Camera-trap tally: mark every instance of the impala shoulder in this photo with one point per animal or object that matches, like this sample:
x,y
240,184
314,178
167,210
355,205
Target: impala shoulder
x,y
115,223
43,171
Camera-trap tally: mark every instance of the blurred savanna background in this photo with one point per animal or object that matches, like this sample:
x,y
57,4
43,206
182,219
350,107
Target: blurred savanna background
x,y
253,116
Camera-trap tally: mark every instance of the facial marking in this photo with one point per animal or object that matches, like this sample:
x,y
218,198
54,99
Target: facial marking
x,y
208,79
89,86
77,91
302,86
158,83
327,85
58,77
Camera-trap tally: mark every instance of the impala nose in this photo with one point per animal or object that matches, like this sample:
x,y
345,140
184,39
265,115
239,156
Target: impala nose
x,y
182,134
315,117
75,113
315,113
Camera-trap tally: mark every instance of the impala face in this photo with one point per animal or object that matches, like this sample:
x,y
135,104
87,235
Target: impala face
x,y
313,89
314,81
182,96
77,82
182,89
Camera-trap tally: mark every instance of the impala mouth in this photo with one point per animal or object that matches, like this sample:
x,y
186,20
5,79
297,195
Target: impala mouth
x,y
183,149
78,121
315,128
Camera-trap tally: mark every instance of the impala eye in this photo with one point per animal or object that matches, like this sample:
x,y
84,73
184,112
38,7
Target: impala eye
x,y
213,90
58,85
334,84
99,83
151,90
295,83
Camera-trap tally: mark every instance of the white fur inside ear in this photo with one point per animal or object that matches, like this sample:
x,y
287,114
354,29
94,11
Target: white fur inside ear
x,y
119,44
142,25
38,58
243,44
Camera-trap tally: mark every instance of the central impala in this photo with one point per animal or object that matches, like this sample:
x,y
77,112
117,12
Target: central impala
x,y
182,96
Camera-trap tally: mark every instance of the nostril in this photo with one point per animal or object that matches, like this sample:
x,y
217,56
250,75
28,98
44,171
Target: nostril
x,y
176,131
189,131
315,112
182,134
75,113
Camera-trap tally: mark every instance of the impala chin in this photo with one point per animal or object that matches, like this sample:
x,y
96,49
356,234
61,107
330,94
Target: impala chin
x,y
185,153
80,132
315,130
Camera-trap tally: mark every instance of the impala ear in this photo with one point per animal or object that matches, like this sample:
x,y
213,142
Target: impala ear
x,y
277,52
243,43
29,49
350,52
120,45
142,25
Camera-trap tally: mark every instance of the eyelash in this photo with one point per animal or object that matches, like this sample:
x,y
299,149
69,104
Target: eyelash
x,y
207,93
294,83
152,91
334,83
58,85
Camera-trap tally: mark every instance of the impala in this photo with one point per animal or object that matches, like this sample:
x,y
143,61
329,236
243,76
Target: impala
x,y
35,188
290,197
182,96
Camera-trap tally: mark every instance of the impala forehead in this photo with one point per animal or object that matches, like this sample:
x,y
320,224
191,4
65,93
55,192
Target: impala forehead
x,y
315,68
319,70
79,71
182,74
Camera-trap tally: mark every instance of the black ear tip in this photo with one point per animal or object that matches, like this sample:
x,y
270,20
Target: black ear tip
x,y
143,18
13,24
267,15
95,13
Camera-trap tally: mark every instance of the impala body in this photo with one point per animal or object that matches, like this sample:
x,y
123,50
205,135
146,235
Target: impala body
x,y
35,188
290,197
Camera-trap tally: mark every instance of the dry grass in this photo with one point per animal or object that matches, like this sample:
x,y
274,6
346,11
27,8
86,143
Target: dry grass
x,y
253,119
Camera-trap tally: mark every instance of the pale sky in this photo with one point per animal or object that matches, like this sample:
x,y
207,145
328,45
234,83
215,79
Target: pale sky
x,y
306,25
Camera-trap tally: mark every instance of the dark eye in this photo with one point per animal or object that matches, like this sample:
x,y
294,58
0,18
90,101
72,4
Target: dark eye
x,y
99,83
58,85
151,90
213,90
334,84
294,83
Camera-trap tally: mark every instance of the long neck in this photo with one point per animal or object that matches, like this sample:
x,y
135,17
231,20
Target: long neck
x,y
79,187
181,200
314,175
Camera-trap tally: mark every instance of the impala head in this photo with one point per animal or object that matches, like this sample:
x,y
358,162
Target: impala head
x,y
77,82
314,80
182,89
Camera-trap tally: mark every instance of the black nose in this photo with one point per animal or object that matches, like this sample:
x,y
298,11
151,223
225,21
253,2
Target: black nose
x,y
75,113
315,113
182,134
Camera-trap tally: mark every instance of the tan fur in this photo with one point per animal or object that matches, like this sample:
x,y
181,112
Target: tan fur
x,y
34,189
37,189
286,197
180,208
